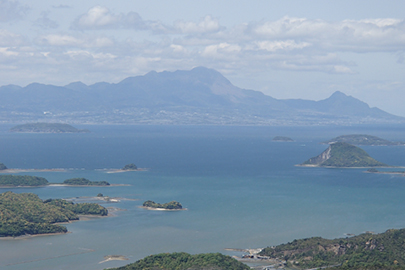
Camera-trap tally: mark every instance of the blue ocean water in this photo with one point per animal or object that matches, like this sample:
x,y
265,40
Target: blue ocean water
x,y
241,189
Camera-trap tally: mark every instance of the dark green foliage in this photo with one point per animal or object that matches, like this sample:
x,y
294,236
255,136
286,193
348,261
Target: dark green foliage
x,y
130,167
2,167
170,205
84,182
26,213
100,195
342,154
47,128
365,251
79,208
185,261
22,180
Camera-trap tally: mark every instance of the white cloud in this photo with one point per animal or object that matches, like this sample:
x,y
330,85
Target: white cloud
x,y
72,41
272,46
11,10
45,22
97,17
206,25
10,39
220,49
8,52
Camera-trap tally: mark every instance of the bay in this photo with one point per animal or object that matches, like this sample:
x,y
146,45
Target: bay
x,y
241,190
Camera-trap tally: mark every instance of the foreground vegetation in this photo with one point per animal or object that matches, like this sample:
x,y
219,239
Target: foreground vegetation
x,y
365,251
26,213
84,182
342,154
183,261
22,180
173,205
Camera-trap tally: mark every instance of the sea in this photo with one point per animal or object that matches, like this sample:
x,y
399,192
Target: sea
x,y
241,190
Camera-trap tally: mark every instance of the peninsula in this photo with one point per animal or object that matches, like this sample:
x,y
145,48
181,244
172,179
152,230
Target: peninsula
x,y
342,154
22,181
362,139
3,167
27,214
173,205
47,128
84,182
182,260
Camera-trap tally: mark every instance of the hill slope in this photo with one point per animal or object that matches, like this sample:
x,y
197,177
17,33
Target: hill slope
x,y
342,154
197,96
365,251
184,261
362,139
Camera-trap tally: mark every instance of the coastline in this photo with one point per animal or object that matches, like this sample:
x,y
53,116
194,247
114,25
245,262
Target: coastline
x,y
161,209
32,170
122,171
28,236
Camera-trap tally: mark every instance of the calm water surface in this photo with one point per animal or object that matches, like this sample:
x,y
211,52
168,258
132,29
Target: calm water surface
x,y
241,189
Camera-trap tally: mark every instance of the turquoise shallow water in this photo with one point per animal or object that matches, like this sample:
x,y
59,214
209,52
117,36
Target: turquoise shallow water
x,y
241,189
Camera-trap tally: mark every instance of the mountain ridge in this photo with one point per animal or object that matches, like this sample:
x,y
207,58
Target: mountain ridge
x,y
197,96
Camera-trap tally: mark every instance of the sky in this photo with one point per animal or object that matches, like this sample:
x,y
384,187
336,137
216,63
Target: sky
x,y
305,49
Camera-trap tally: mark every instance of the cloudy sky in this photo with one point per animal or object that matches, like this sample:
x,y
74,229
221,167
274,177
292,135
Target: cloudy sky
x,y
285,48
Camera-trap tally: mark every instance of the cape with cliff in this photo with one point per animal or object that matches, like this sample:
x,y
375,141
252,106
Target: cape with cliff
x,y
341,154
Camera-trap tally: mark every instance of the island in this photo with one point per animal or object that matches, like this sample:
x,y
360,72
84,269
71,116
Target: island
x,y
362,139
22,181
3,167
173,205
26,214
373,170
182,260
342,154
47,128
365,251
130,167
84,182
282,139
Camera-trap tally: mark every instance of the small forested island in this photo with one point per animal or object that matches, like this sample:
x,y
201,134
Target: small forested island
x,y
342,154
182,260
84,182
27,214
47,128
173,205
373,170
3,167
362,139
22,181
130,167
282,139
365,251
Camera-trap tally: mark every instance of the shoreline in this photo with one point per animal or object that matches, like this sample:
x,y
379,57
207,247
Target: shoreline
x,y
161,209
29,236
32,170
122,171
335,167
64,185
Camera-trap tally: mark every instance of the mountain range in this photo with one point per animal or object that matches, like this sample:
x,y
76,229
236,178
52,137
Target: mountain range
x,y
197,96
